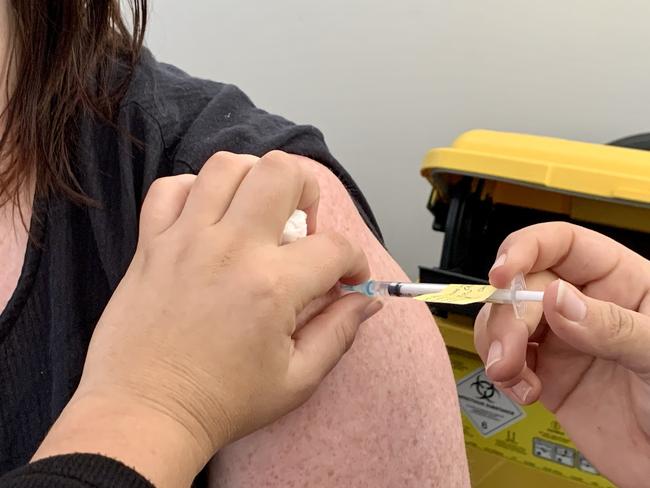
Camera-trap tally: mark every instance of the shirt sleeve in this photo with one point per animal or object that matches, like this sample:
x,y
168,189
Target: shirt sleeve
x,y
197,118
74,471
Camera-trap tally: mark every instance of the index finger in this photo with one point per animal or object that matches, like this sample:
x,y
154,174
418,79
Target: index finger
x,y
276,186
576,254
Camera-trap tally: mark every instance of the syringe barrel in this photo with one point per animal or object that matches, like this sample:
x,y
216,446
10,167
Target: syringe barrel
x,y
500,296
505,296
396,289
415,289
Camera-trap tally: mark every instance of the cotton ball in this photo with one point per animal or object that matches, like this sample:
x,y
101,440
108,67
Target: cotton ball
x,y
296,227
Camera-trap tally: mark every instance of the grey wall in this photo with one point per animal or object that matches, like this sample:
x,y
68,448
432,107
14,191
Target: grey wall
x,y
387,80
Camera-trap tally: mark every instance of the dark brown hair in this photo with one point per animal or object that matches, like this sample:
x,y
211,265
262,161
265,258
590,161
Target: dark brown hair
x,y
63,59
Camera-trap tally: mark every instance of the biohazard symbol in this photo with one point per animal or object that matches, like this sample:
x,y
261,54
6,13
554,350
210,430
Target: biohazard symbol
x,y
484,389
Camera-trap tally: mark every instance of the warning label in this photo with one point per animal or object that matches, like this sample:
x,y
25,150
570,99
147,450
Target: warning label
x,y
562,455
528,435
586,466
486,407
554,452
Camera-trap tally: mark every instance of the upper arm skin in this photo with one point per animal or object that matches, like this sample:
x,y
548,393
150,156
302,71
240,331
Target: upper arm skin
x,y
386,416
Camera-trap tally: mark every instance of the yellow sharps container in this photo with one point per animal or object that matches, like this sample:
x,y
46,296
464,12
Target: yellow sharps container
x,y
485,186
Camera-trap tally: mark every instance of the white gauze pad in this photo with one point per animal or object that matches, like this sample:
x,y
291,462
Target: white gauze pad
x,y
295,228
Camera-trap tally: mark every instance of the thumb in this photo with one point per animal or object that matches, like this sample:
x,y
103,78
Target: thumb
x,y
601,329
323,341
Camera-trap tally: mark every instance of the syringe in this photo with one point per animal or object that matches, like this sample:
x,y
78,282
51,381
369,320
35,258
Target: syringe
x,y
517,294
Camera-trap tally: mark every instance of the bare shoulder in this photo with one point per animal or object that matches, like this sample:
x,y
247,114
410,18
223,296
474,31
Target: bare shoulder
x,y
386,416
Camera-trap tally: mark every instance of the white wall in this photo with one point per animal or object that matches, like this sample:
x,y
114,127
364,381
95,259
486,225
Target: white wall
x,y
387,80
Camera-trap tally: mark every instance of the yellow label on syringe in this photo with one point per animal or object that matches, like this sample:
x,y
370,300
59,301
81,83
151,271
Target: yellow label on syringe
x,y
459,294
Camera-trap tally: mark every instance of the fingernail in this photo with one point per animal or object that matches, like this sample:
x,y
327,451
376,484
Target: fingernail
x,y
494,354
374,307
521,390
569,304
500,261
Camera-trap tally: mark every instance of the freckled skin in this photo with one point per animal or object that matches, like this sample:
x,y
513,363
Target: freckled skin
x,y
387,415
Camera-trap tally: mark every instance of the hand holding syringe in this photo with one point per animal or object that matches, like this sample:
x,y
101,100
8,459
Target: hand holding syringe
x,y
517,294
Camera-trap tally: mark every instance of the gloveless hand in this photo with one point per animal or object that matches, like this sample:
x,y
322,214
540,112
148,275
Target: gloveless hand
x,y
585,352
201,337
